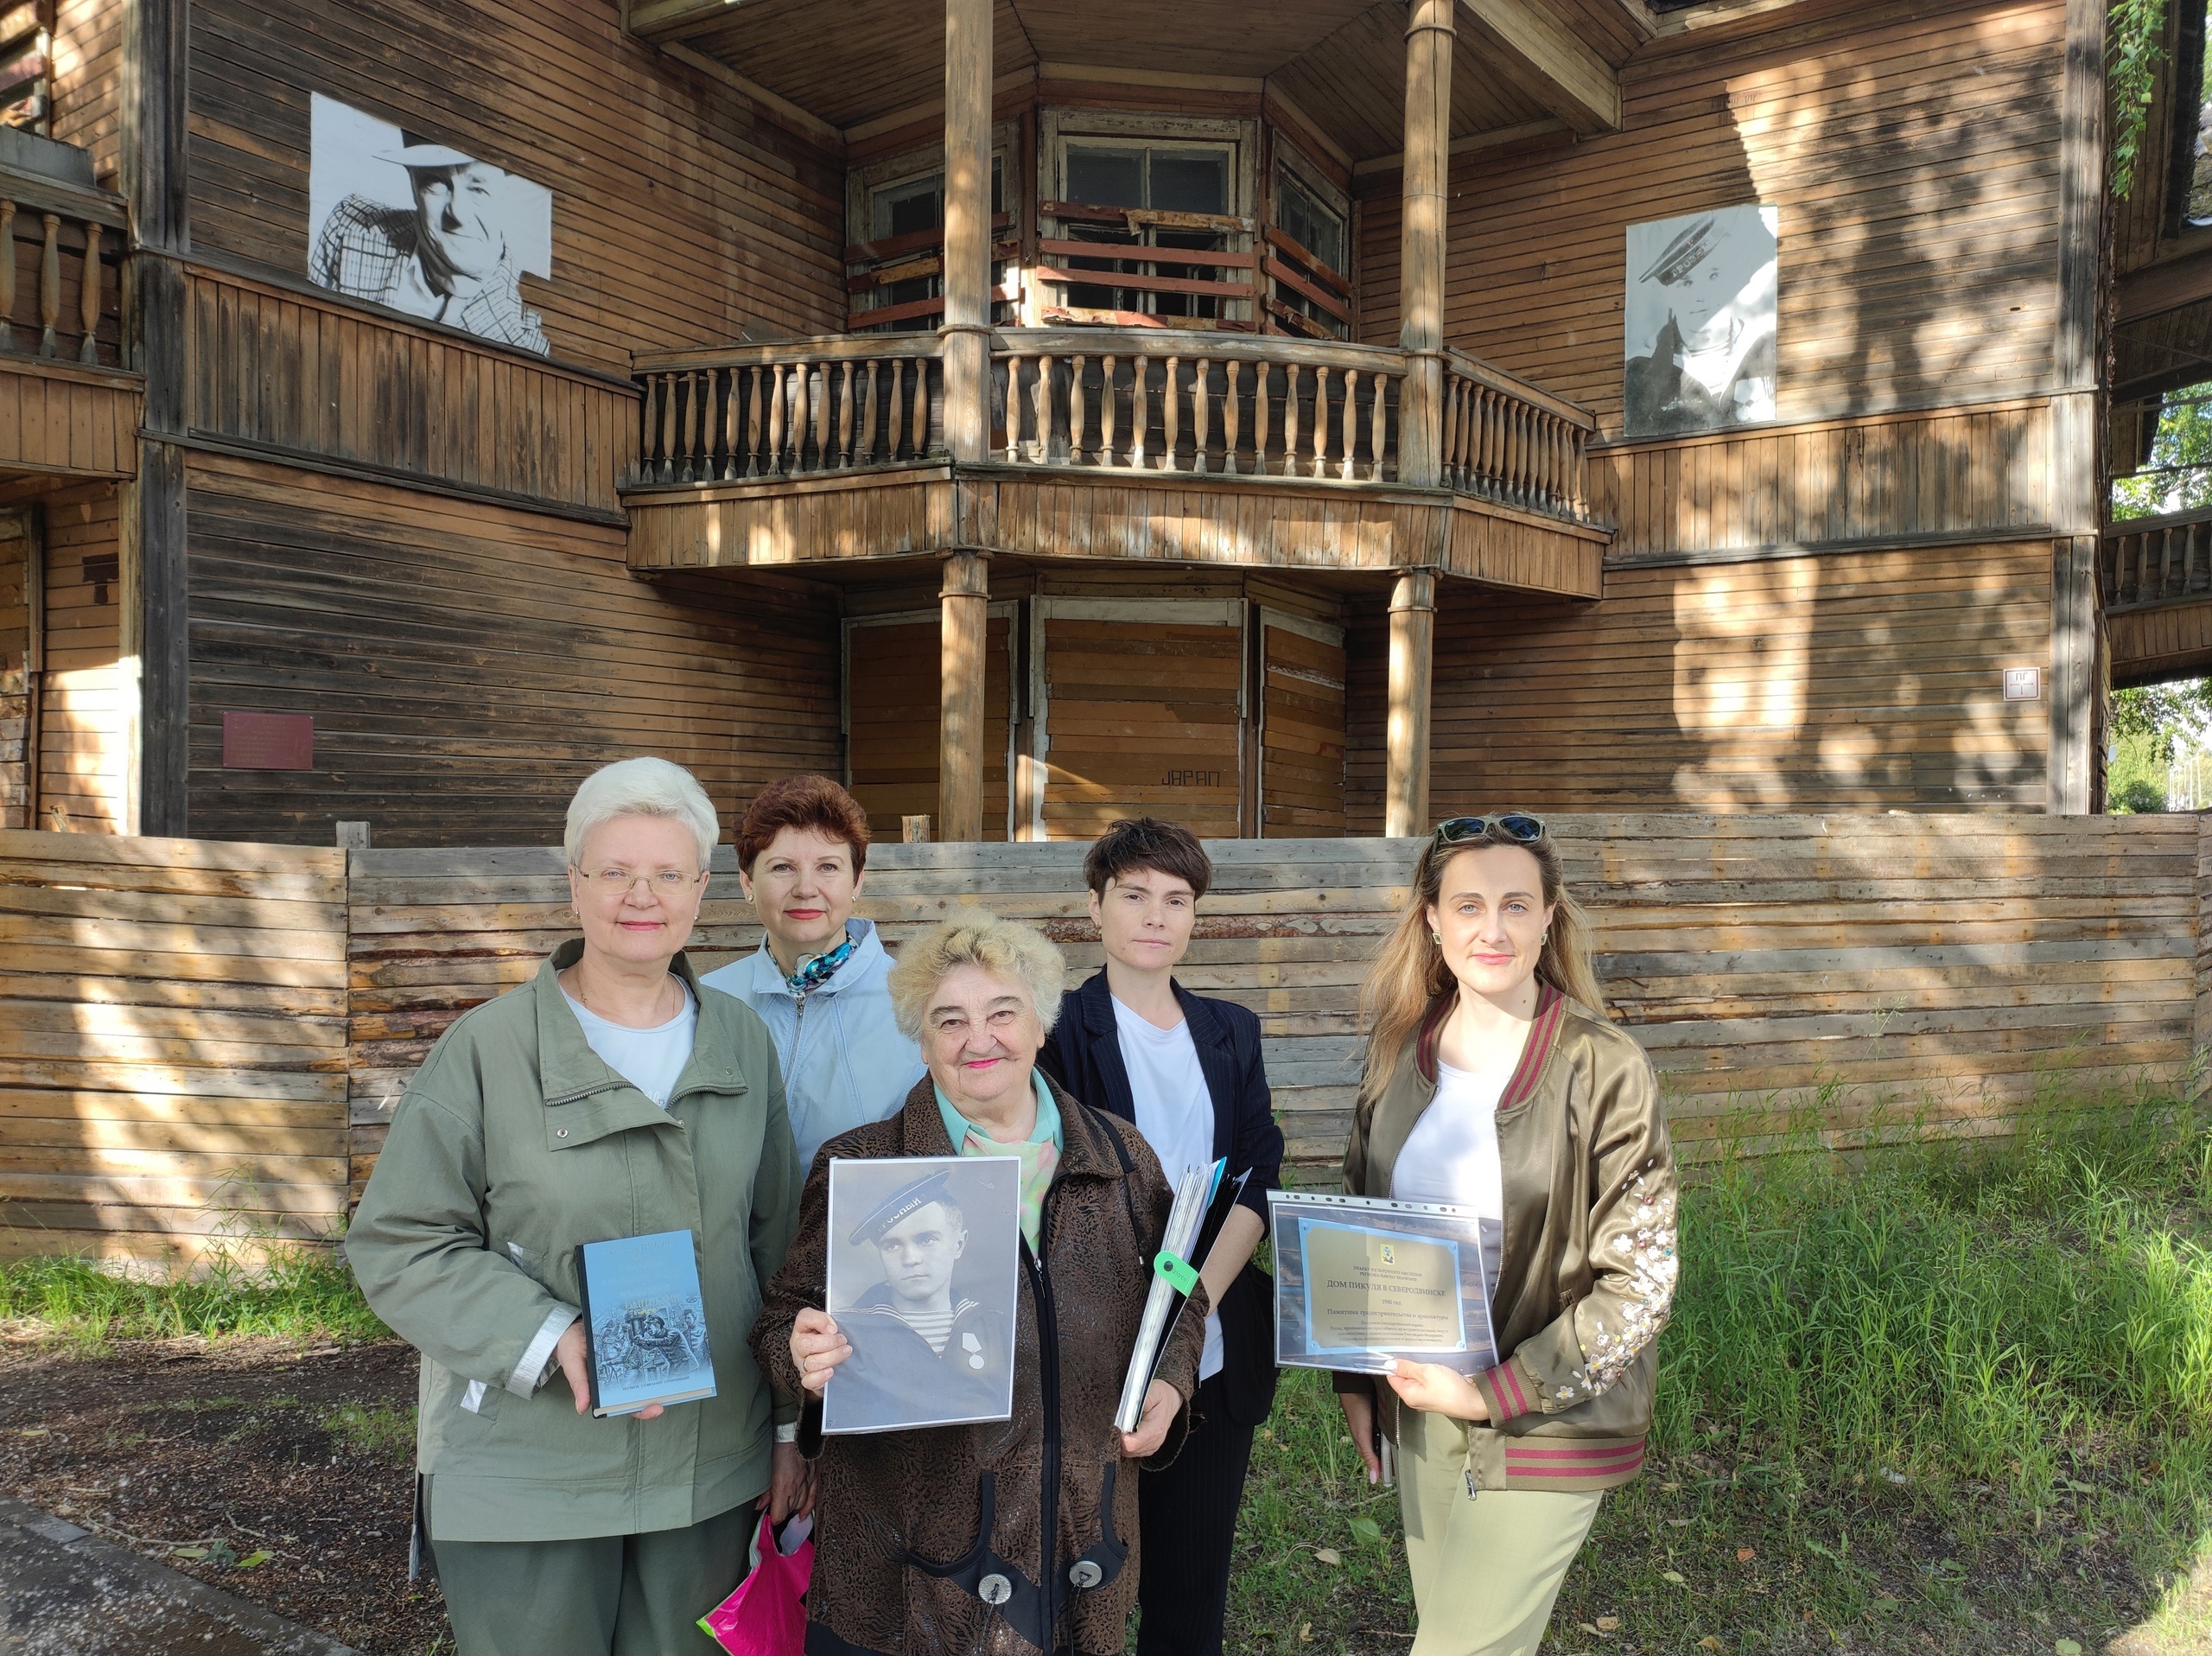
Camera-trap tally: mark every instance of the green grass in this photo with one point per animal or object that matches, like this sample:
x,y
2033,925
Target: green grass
x,y
1952,1398
381,1431
305,1293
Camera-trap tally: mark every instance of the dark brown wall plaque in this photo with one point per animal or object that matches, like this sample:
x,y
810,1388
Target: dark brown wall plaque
x,y
268,741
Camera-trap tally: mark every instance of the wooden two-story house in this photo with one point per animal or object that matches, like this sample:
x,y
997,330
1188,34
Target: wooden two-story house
x,y
1298,420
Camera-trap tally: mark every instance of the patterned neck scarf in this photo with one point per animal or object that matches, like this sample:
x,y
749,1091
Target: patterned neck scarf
x,y
821,969
1039,1153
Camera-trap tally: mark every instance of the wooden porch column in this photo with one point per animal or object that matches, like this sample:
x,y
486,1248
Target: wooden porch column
x,y
964,602
1412,634
1421,247
966,335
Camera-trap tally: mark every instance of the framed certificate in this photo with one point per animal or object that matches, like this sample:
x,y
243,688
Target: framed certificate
x,y
1360,1280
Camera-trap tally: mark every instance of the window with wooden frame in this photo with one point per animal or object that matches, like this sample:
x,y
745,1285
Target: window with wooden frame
x,y
1308,254
27,67
1147,227
894,265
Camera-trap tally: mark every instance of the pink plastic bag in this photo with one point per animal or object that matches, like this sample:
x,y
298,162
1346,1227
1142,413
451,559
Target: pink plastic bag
x,y
764,1616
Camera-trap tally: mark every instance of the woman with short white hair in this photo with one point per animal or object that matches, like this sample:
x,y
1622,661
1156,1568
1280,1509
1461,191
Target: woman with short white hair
x,y
608,1097
938,1540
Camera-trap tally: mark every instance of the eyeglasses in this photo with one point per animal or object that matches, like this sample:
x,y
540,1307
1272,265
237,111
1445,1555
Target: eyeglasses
x,y
664,883
1517,826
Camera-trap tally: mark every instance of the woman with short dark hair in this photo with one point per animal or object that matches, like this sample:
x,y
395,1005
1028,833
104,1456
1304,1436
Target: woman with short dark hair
x,y
1494,1081
1185,1070
819,979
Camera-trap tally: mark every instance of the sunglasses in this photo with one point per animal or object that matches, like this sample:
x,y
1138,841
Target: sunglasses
x,y
1515,826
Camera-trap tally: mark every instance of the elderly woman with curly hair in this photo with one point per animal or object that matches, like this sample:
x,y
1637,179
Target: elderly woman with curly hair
x,y
1013,1534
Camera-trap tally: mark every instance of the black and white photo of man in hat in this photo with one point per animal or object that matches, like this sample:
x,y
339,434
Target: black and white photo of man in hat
x,y
932,1336
448,258
1699,321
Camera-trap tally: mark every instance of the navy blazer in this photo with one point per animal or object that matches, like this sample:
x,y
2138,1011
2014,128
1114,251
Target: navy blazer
x,y
1083,1055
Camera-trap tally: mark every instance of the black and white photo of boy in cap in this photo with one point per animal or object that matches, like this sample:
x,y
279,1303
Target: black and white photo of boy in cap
x,y
931,1335
1699,321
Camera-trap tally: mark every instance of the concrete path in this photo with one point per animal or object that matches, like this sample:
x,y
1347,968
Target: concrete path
x,y
65,1592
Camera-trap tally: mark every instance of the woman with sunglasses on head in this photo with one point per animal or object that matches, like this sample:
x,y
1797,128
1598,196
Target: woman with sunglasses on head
x,y
1492,1080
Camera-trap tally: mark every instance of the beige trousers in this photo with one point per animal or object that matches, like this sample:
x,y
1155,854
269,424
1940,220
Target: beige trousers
x,y
1486,1571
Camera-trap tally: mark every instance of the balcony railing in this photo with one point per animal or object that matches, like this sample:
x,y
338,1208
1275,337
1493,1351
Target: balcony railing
x,y
2152,559
1126,399
60,290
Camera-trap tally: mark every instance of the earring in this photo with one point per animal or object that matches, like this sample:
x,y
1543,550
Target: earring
x,y
1437,938
1545,939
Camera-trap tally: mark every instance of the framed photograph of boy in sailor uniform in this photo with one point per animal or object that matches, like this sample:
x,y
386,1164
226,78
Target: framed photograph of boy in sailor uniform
x,y
1361,1281
925,1268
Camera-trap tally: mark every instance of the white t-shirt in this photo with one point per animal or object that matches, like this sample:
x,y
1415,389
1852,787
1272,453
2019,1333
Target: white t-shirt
x,y
1174,1114
1450,1156
650,1059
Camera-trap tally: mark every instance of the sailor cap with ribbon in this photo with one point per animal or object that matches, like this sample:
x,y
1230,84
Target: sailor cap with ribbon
x,y
907,1199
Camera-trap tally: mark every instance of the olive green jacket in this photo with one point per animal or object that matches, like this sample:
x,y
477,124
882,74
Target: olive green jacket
x,y
514,1145
1586,1279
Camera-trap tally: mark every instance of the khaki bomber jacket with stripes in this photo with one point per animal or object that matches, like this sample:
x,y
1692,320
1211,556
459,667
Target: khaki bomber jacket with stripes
x,y
1587,1275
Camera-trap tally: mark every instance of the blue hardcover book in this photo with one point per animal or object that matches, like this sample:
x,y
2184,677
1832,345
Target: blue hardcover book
x,y
645,1322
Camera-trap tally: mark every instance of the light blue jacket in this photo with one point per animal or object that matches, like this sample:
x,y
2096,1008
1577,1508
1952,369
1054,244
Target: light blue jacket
x,y
845,1064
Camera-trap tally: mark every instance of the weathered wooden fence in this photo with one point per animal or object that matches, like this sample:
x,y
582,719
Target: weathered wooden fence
x,y
1906,972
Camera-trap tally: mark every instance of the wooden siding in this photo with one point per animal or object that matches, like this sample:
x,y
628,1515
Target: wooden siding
x,y
1941,968
18,586
58,419
2160,642
88,80
1899,477
1848,681
298,374
1912,149
172,1044
892,685
466,666
1142,717
680,211
84,732
1122,518
1301,731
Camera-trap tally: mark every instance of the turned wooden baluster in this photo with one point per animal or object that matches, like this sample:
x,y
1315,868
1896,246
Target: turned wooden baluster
x,y
1012,409
756,430
1379,426
7,275
1260,418
844,412
1201,412
1320,421
1077,424
775,422
88,296
864,411
892,431
1346,468
1041,400
1453,389
732,426
1106,411
667,442
1232,372
1581,473
1171,400
921,408
824,456
1290,377
49,284
1140,410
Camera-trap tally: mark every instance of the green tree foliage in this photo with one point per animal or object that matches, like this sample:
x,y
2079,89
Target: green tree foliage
x,y
2151,727
2135,41
2179,476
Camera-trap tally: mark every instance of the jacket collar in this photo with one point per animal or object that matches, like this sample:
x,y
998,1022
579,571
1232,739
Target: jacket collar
x,y
1551,1012
1085,1152
569,1070
1210,1035
867,956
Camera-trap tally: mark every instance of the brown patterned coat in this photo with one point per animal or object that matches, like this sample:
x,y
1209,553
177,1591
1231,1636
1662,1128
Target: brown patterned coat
x,y
910,1527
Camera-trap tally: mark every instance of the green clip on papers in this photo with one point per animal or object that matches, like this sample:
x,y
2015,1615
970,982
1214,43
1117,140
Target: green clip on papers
x,y
1178,1273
